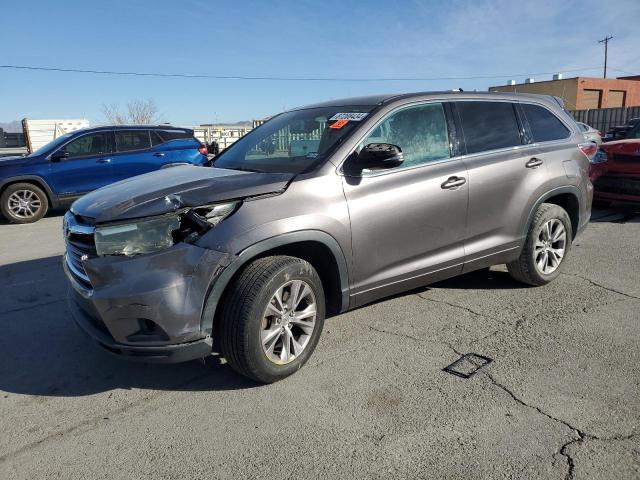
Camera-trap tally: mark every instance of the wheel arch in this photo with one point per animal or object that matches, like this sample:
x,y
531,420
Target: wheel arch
x,y
317,247
35,180
567,197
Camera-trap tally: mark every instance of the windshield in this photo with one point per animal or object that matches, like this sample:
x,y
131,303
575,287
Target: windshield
x,y
293,141
51,145
635,132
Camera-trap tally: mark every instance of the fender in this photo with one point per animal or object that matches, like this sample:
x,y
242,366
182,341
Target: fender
x,y
220,283
53,198
575,191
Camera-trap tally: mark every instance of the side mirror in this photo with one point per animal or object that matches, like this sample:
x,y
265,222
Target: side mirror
x,y
59,155
378,156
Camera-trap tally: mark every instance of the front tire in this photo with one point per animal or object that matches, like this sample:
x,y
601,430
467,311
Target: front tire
x,y
547,245
272,318
23,203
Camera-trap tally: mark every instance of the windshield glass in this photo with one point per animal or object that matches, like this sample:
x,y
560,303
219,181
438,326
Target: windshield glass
x,y
51,145
293,141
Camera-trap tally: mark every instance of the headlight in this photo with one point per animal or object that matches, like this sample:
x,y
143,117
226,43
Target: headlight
x,y
145,236
159,233
214,214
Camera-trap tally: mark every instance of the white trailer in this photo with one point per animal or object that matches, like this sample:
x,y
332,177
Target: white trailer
x,y
38,133
224,135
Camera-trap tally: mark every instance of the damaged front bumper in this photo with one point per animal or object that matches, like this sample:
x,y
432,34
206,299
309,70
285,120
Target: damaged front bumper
x,y
147,307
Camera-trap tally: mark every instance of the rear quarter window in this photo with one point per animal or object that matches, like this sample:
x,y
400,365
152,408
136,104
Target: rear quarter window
x,y
163,136
545,126
488,125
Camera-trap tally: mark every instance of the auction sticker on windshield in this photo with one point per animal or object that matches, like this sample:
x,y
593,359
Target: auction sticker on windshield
x,y
354,117
339,124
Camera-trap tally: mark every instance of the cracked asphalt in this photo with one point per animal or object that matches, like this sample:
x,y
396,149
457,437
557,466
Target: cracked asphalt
x,y
561,398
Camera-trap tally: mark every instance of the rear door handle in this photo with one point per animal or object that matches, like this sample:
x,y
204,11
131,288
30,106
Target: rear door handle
x,y
103,160
158,154
454,182
533,163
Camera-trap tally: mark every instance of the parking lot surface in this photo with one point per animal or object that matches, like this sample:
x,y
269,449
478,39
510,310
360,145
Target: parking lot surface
x,y
561,398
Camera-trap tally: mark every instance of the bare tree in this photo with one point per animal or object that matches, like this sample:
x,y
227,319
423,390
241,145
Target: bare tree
x,y
139,112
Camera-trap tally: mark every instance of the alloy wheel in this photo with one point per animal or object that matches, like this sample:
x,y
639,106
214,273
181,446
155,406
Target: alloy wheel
x,y
288,322
550,246
24,204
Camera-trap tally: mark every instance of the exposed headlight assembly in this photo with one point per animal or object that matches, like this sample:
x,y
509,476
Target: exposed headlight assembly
x,y
159,233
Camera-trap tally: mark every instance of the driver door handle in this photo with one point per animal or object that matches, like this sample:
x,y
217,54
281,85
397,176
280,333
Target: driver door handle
x,y
453,182
533,163
158,154
103,160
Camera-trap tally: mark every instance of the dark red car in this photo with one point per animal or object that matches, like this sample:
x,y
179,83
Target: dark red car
x,y
615,170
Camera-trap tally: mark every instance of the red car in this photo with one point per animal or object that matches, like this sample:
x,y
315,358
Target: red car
x,y
615,169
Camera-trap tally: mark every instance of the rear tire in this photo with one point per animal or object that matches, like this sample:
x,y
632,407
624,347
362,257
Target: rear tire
x,y
23,203
547,244
267,329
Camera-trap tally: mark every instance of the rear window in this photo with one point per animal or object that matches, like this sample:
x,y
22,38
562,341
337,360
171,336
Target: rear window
x,y
127,140
545,126
162,136
488,125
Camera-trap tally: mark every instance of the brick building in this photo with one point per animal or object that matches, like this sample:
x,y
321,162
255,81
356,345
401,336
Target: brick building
x,y
582,93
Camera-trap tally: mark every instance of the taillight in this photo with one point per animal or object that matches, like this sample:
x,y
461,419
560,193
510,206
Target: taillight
x,y
203,150
589,149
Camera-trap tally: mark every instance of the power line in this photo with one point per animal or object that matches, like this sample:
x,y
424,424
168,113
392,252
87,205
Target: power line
x,y
277,78
623,71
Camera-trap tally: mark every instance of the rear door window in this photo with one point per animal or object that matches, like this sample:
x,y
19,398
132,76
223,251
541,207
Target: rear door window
x,y
129,140
545,126
489,125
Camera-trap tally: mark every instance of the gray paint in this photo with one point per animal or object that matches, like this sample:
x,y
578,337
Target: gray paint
x,y
144,195
389,231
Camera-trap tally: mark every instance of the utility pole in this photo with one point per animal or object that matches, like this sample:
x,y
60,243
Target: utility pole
x,y
605,40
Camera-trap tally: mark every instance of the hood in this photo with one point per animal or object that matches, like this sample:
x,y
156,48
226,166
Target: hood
x,y
628,148
166,190
629,141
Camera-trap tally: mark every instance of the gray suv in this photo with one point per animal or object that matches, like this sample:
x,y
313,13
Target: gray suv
x,y
320,210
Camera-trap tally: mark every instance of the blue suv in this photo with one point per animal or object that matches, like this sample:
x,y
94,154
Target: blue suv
x,y
84,160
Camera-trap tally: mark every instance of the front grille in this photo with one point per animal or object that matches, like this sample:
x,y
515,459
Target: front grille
x,y
80,245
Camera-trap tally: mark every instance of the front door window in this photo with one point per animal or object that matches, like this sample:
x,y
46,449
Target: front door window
x,y
88,145
419,131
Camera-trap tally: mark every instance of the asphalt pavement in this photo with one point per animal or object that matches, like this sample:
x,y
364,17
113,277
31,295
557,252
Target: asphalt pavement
x,y
561,398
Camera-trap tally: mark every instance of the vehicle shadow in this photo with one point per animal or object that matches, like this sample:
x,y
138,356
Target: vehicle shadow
x,y
615,213
58,212
45,354
483,279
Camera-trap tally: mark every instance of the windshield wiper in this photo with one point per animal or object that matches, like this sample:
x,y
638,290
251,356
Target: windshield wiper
x,y
245,169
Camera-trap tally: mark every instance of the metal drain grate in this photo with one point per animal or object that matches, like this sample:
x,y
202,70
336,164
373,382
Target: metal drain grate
x,y
467,365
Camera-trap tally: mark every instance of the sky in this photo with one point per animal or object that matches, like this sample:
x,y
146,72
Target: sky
x,y
300,39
